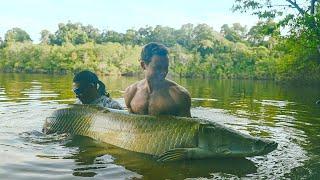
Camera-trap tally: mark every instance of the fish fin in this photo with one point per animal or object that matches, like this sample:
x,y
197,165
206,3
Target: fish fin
x,y
174,154
185,153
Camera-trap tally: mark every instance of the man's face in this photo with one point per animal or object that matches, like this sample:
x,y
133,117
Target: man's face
x,y
85,93
157,69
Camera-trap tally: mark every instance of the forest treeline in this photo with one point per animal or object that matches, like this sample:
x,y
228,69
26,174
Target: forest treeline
x,y
259,52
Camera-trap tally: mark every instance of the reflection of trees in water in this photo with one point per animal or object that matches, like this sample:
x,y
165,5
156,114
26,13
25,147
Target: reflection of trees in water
x,y
16,85
90,151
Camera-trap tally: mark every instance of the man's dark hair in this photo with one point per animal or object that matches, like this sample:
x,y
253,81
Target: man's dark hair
x,y
86,77
152,49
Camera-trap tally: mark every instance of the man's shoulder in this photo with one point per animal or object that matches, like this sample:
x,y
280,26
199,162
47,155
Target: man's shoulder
x,y
178,90
133,87
182,97
176,87
131,91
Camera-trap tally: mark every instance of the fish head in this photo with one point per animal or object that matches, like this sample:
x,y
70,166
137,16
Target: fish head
x,y
225,142
46,129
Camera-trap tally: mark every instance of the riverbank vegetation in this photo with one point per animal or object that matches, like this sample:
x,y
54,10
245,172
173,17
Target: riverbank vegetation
x,y
236,51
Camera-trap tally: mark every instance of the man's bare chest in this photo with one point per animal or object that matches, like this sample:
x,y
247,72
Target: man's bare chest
x,y
154,103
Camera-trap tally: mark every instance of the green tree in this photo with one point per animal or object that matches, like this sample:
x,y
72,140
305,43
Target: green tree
x,y
300,17
204,39
131,37
300,48
16,35
92,33
110,36
263,33
45,37
145,34
164,35
73,33
184,36
235,33
207,41
1,43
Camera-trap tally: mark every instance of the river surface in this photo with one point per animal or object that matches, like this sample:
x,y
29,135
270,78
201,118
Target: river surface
x,y
285,114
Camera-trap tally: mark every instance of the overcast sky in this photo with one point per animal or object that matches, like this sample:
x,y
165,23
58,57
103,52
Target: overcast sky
x,y
119,15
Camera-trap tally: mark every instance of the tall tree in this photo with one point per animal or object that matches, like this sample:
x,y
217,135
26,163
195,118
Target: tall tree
x,y
110,36
262,33
204,39
1,43
92,33
16,35
184,36
235,33
164,35
45,37
145,34
131,37
70,33
302,18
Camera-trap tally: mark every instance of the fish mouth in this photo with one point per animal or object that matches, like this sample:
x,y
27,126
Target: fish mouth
x,y
47,124
270,147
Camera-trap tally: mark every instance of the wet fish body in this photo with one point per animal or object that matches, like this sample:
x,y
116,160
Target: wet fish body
x,y
167,137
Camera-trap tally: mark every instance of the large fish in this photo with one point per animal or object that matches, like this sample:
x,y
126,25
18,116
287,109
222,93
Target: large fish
x,y
167,137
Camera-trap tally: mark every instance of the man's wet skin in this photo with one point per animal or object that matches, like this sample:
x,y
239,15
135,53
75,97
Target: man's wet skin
x,y
156,95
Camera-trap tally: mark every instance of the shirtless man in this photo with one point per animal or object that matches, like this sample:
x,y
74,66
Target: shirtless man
x,y
155,95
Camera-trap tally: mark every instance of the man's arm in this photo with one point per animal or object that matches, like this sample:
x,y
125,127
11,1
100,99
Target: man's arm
x,y
185,104
115,105
129,94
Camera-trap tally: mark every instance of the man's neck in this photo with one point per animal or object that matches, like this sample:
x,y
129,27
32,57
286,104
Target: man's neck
x,y
152,85
95,98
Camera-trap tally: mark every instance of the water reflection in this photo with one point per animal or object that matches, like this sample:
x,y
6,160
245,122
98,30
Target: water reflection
x,y
93,153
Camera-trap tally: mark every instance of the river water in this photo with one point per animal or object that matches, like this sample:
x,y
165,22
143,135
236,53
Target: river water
x,y
285,114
